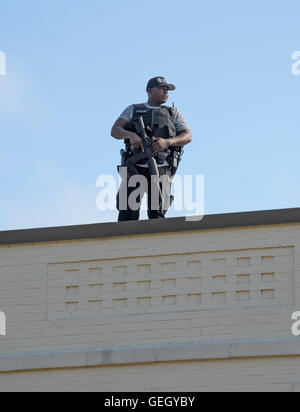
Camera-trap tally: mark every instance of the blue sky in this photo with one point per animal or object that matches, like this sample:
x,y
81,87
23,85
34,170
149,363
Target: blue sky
x,y
74,65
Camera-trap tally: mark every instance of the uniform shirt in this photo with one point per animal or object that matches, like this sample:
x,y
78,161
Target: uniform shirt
x,y
179,121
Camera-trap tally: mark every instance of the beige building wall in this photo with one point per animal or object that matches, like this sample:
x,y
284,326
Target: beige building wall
x,y
184,311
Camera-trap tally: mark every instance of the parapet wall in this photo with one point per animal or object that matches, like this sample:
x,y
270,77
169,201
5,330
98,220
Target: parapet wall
x,y
184,304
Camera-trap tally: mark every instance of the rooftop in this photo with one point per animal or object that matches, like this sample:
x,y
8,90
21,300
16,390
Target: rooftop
x,y
144,227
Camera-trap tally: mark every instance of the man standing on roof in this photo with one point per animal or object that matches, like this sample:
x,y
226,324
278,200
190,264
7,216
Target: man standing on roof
x,y
170,133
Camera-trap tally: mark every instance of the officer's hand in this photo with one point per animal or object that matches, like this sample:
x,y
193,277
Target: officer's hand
x,y
136,141
160,144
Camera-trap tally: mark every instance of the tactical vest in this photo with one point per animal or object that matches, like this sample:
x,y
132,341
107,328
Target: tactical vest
x,y
158,122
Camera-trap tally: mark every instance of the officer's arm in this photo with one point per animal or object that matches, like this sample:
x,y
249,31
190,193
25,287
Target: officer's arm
x,y
118,131
184,137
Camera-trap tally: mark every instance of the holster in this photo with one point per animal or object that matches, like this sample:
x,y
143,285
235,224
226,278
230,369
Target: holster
x,y
126,162
174,159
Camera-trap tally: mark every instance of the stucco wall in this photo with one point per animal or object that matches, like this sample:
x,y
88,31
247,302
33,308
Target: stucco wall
x,y
185,296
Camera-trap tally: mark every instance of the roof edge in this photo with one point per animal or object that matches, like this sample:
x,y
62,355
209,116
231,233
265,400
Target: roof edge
x,y
155,226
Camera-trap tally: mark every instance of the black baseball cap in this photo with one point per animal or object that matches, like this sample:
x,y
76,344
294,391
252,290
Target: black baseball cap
x,y
158,82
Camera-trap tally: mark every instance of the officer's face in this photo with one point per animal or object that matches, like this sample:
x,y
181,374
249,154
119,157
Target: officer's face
x,y
159,94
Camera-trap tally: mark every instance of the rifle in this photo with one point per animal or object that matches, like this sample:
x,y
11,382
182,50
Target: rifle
x,y
174,156
148,154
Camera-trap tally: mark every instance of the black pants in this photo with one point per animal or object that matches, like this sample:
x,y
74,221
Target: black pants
x,y
157,212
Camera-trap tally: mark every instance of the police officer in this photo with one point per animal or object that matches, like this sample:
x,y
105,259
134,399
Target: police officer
x,y
170,132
